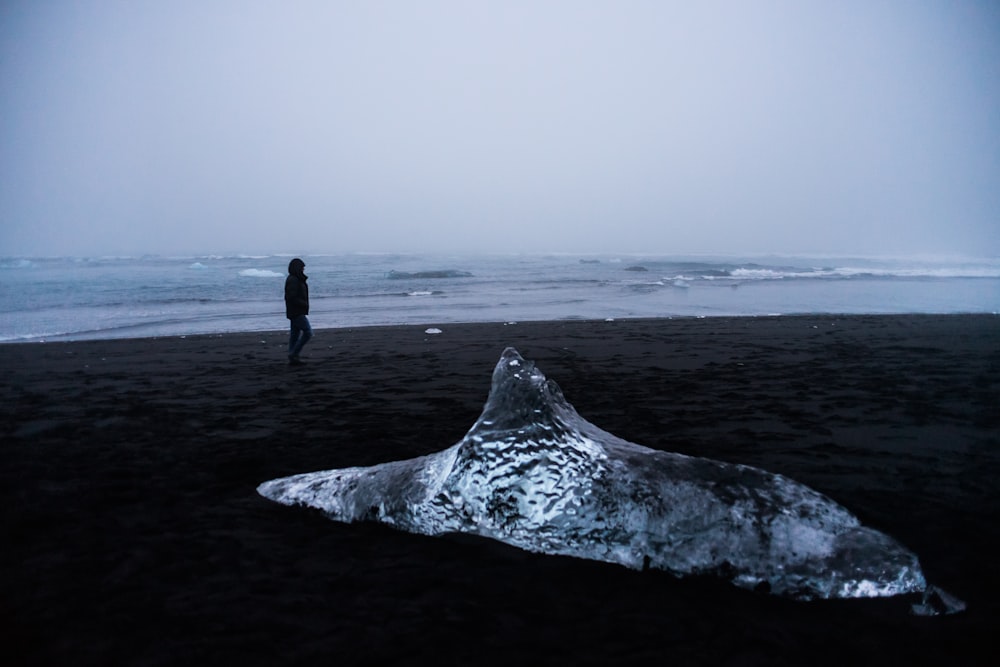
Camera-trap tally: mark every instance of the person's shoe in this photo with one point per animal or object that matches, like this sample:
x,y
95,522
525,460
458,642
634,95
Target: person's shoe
x,y
294,361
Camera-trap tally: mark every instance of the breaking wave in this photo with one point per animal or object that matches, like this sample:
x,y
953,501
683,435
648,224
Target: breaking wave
x,y
261,273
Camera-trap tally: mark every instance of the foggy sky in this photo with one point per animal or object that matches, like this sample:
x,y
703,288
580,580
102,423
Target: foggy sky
x,y
185,127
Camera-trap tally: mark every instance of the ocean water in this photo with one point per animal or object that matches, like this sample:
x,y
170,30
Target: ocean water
x,y
83,298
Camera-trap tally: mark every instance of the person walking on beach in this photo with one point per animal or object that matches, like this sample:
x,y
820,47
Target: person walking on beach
x,y
297,309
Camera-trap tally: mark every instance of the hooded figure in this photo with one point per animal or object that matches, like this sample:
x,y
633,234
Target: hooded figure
x,y
296,309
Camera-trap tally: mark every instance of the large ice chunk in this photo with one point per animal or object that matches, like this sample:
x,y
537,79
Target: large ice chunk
x,y
533,473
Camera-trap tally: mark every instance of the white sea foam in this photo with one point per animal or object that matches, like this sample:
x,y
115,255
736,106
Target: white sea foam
x,y
260,273
981,271
922,272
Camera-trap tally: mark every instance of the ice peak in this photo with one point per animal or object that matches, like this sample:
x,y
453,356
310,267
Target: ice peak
x,y
523,403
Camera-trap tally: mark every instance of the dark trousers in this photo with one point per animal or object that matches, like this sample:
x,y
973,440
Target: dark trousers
x,y
299,335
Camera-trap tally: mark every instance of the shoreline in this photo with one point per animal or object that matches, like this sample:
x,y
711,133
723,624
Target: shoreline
x,y
72,338
136,534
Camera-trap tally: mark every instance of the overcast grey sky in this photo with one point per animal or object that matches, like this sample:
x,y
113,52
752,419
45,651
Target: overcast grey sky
x,y
847,127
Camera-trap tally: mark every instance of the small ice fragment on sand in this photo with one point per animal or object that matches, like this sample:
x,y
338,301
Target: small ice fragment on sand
x,y
937,602
432,330
609,319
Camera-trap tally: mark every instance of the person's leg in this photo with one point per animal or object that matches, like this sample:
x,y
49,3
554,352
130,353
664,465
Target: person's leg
x,y
307,333
293,337
304,330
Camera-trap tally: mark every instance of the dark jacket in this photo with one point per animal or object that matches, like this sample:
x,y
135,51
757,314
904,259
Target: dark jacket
x,y
296,295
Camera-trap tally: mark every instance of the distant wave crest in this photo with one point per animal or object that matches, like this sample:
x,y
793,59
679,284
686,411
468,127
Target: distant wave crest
x,y
260,273
16,264
445,273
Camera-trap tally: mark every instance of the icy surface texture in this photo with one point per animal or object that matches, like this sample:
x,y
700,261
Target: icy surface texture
x,y
534,474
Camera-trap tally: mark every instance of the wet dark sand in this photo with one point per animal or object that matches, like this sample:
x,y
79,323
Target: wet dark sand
x,y
132,532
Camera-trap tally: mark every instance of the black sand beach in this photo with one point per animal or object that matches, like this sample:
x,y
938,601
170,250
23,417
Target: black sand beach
x,y
133,534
